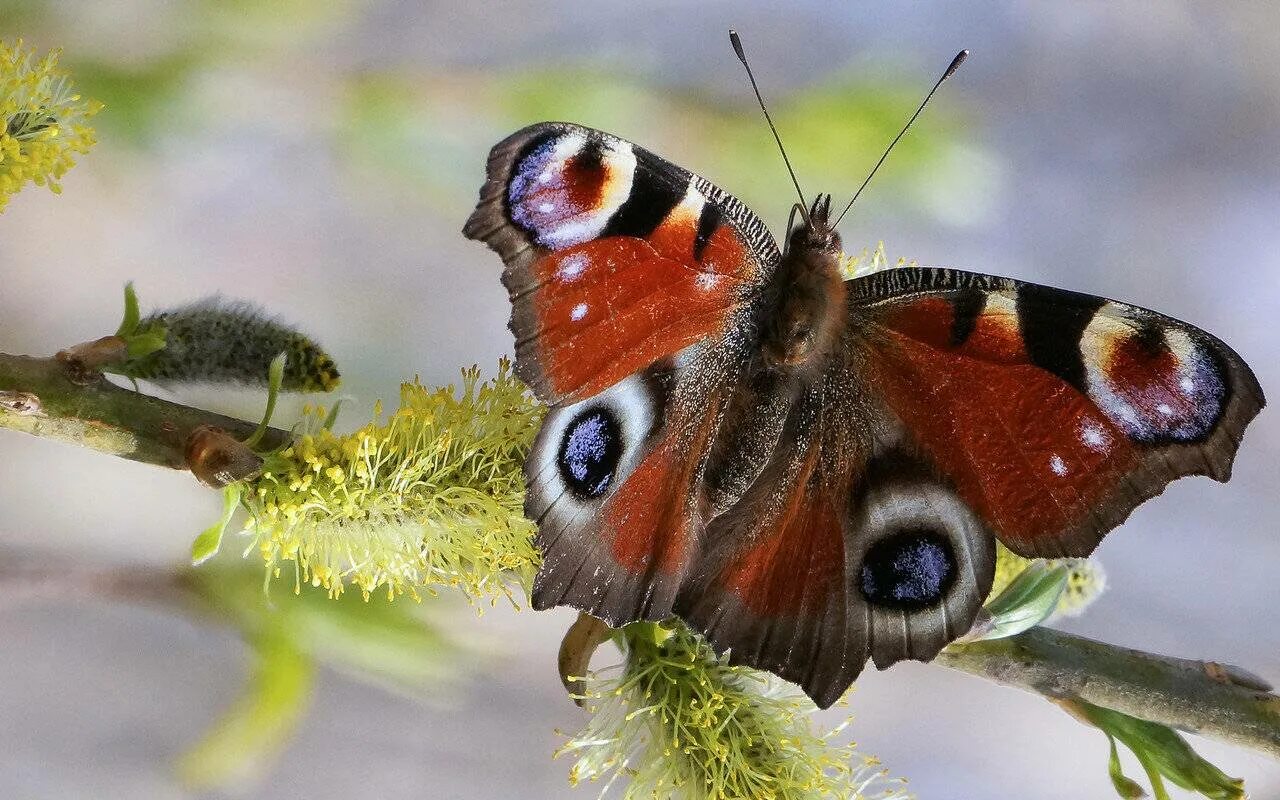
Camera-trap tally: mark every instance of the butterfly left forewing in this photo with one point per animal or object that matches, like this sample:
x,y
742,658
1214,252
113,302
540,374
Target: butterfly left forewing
x,y
631,281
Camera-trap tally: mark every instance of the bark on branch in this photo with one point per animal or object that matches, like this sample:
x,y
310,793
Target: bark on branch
x,y
41,396
1204,697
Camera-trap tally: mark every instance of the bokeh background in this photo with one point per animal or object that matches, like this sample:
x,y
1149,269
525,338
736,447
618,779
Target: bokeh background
x,y
320,158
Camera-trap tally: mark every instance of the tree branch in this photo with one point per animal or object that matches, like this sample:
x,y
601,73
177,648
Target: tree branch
x,y
1204,697
26,581
39,396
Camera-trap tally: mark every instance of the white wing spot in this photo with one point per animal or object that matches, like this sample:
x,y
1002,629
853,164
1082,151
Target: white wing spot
x,y
546,208
1188,385
572,267
579,311
1094,437
708,281
1058,466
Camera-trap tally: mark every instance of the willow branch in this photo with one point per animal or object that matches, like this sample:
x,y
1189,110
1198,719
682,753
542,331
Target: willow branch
x,y
25,581
1204,697
42,397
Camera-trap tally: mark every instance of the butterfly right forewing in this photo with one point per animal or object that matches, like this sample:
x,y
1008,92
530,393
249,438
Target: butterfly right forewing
x,y
615,258
1055,413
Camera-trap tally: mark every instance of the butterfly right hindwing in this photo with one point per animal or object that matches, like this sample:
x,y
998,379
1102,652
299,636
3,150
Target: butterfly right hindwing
x,y
849,545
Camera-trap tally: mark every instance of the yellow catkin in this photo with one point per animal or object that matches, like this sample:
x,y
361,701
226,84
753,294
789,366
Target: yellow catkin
x,y
680,722
42,121
430,497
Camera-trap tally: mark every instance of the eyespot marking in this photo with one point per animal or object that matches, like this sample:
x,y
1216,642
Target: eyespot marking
x,y
590,451
1157,383
909,570
565,188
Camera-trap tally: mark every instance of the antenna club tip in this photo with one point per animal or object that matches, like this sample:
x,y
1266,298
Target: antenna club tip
x,y
955,64
737,45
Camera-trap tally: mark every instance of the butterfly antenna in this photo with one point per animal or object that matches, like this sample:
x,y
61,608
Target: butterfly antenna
x,y
737,49
951,70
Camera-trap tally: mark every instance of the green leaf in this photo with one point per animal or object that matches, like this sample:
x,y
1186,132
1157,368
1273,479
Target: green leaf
x,y
1125,786
398,645
1163,754
275,377
145,343
261,720
131,313
1153,775
210,539
1026,602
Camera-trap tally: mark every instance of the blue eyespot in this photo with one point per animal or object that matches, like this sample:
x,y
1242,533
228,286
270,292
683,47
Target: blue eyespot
x,y
908,570
590,451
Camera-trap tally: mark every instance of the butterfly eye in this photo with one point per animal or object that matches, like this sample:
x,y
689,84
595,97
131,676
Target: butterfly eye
x,y
590,451
909,569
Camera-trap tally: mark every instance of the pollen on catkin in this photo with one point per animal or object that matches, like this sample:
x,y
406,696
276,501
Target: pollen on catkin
x,y
1086,580
677,721
430,497
220,341
42,121
869,261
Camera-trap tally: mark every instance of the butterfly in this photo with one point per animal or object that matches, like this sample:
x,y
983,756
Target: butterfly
x,y
812,471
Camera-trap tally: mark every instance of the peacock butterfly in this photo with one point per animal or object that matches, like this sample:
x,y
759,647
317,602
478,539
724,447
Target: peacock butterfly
x,y
814,471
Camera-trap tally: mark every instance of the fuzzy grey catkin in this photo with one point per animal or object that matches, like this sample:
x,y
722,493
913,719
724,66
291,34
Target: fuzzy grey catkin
x,y
220,341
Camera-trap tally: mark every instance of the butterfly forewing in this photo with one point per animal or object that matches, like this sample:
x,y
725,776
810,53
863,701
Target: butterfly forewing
x,y
615,258
630,280
1055,413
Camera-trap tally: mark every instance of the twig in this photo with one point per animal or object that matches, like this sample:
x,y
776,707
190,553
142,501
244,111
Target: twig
x,y
40,397
1201,697
24,581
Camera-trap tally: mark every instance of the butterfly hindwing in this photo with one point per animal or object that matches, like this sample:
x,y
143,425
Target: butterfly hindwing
x,y
615,258
614,483
849,545
1054,413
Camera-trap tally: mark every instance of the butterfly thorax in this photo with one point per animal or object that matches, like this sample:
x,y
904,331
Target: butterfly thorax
x,y
806,295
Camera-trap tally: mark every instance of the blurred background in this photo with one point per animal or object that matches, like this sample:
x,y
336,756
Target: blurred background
x,y
319,158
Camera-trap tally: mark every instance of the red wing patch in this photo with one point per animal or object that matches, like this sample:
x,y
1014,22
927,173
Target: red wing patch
x,y
770,585
611,307
615,258
650,529
1054,413
1031,454
795,562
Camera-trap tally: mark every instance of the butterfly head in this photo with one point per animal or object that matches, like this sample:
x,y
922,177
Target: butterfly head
x,y
816,233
